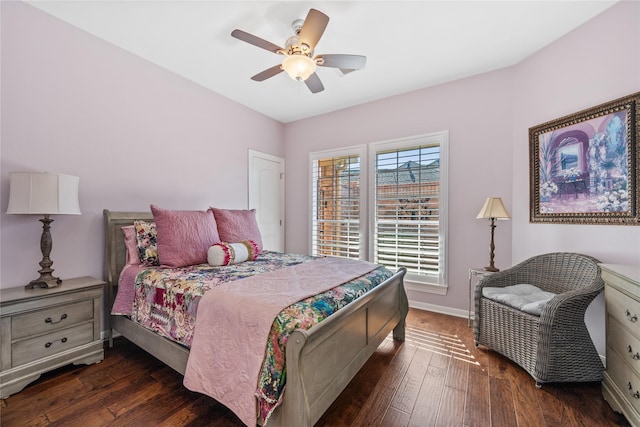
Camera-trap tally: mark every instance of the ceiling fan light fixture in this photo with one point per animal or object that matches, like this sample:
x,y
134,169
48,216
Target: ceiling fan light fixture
x,y
299,67
299,60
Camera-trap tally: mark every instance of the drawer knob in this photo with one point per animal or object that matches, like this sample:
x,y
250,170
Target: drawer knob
x,y
633,356
50,320
636,394
630,317
64,340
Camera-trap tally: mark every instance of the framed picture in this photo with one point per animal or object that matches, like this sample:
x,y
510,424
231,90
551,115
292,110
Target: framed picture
x,y
584,167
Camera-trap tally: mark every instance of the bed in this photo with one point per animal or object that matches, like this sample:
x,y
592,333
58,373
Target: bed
x,y
320,361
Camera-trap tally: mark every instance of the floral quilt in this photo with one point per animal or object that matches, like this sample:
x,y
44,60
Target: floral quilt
x,y
166,301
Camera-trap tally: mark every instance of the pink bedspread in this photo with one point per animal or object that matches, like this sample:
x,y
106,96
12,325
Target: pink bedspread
x,y
233,324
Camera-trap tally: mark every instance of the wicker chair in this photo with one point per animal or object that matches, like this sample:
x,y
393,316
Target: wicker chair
x,y
555,347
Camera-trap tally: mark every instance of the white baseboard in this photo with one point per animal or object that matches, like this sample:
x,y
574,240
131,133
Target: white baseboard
x,y
104,335
439,309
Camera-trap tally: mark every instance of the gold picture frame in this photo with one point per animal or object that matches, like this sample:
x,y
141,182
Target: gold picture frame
x,y
584,167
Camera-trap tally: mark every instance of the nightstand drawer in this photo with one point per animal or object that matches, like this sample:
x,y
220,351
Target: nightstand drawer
x,y
45,345
51,319
623,308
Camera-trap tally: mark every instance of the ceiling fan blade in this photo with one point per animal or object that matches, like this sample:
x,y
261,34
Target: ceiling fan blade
x,y
269,72
313,27
314,84
343,61
256,41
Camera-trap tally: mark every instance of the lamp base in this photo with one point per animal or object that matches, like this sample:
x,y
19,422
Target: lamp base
x,y
492,247
44,281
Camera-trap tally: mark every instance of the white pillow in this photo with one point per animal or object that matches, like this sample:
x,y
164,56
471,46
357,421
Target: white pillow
x,y
232,253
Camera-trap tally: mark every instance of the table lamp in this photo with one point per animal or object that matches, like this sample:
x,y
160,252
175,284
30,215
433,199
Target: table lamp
x,y
493,209
45,194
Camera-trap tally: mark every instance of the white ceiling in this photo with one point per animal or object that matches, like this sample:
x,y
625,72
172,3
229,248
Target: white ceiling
x,y
408,44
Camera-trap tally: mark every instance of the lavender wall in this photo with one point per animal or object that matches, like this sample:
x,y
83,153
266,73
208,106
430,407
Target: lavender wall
x,y
134,133
137,134
596,63
488,117
477,112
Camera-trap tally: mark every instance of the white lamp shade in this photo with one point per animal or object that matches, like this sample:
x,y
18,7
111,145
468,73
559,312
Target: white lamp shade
x,y
299,67
43,193
493,208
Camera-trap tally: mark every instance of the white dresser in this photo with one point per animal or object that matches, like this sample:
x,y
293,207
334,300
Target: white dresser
x,y
621,383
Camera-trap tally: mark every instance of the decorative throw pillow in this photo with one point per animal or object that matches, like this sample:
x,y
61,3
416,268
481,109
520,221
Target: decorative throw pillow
x,y
238,225
232,253
147,243
184,236
131,244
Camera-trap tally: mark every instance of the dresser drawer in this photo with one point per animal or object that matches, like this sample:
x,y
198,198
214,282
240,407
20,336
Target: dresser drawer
x,y
623,308
624,378
623,342
31,349
51,319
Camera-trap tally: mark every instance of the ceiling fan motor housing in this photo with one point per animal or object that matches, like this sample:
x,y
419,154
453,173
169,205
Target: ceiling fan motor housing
x,y
294,47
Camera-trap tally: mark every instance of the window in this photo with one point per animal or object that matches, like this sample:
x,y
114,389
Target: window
x,y
401,223
408,197
336,205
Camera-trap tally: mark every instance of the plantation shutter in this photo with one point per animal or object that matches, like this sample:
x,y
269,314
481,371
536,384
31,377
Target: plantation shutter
x,y
336,206
407,230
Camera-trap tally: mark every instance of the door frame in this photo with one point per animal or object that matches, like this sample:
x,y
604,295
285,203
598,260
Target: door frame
x,y
252,155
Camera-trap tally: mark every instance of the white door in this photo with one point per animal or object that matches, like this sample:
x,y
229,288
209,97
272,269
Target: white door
x,y
266,196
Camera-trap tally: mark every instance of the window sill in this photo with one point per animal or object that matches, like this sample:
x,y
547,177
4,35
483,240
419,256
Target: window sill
x,y
427,288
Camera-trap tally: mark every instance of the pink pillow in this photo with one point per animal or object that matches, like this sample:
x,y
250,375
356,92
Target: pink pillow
x,y
184,236
238,225
131,244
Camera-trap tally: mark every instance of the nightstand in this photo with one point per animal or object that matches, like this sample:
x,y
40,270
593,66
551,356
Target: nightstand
x,y
475,275
43,329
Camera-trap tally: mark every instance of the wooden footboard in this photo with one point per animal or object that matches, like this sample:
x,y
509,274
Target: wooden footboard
x,y
321,361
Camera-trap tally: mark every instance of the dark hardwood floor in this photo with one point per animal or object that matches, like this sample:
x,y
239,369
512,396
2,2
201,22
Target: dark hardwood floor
x,y
435,378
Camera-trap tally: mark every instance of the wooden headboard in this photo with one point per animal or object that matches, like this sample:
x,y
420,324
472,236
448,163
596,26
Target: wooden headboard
x,y
115,250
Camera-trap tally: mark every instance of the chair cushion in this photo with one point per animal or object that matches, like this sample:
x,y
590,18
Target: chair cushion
x,y
523,297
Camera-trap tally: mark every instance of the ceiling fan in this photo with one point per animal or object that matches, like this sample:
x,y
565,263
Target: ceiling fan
x,y
299,62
